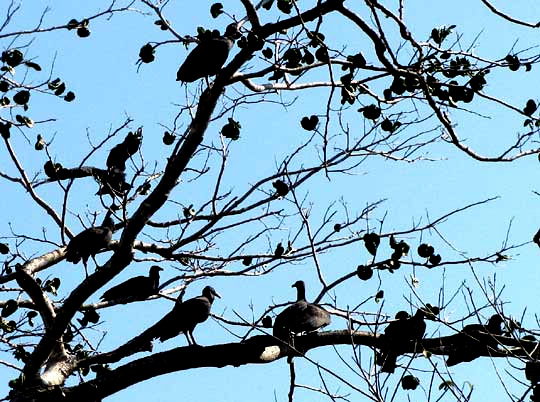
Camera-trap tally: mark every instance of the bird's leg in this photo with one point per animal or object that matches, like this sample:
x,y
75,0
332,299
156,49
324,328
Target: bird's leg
x,y
193,338
291,339
187,337
95,262
85,268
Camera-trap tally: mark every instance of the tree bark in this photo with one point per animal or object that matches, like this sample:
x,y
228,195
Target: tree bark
x,y
258,349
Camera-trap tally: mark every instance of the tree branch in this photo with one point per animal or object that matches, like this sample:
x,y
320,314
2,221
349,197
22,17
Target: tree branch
x,y
256,350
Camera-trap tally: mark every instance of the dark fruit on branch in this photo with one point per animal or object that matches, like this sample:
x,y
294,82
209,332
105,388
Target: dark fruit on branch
x,y
21,97
9,308
425,250
146,54
83,32
216,10
435,259
72,24
371,112
529,108
371,242
12,57
309,123
281,187
231,130
410,382
168,138
364,272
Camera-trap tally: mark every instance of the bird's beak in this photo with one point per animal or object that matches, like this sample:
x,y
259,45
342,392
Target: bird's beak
x,y
217,295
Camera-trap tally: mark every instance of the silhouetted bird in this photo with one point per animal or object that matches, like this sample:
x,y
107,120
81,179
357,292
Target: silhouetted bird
x,y
398,335
90,241
208,56
122,152
185,316
475,340
113,182
139,287
300,316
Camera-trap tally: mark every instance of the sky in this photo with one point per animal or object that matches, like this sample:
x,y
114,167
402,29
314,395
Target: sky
x,y
110,86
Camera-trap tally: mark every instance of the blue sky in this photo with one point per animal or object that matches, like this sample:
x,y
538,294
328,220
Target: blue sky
x,y
109,86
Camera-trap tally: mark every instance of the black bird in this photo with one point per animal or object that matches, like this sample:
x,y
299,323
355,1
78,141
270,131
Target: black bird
x,y
90,241
113,182
208,56
185,316
139,287
475,340
122,152
398,335
300,316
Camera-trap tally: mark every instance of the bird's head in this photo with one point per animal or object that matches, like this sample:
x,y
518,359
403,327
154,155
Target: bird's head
x,y
495,322
209,292
402,315
154,270
300,290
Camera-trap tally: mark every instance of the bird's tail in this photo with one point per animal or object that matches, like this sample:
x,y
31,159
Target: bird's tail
x,y
387,361
73,258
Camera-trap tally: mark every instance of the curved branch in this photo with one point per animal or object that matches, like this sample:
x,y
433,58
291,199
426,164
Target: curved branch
x,y
256,350
507,17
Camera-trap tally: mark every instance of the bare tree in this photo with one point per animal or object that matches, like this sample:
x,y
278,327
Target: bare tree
x,y
396,100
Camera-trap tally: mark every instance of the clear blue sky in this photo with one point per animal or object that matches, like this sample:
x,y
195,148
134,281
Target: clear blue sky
x,y
109,86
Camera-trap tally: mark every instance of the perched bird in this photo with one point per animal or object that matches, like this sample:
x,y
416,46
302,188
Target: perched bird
x,y
300,316
139,287
475,340
397,335
185,316
122,152
90,241
113,182
208,56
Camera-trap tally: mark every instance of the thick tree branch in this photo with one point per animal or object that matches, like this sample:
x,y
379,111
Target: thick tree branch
x,y
256,350
41,301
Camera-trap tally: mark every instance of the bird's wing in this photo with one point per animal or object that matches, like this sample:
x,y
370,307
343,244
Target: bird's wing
x,y
74,246
166,328
136,286
312,317
193,311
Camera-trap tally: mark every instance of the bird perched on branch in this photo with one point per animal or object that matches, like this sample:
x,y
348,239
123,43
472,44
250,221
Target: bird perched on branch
x,y
185,316
113,182
300,316
475,340
397,337
90,241
208,56
138,287
122,152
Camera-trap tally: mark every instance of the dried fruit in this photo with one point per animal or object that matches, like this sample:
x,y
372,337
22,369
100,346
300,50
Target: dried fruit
x,y
425,250
364,272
